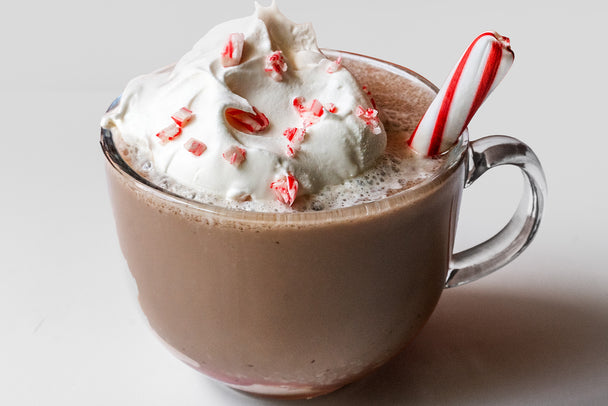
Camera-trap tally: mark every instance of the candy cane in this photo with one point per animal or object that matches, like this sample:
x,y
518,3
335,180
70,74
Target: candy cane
x,y
480,69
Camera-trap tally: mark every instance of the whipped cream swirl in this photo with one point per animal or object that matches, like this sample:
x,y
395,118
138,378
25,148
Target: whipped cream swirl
x,y
279,109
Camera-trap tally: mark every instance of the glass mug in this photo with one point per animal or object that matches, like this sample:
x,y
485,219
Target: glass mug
x,y
299,304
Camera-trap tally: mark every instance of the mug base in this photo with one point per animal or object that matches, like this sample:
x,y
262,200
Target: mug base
x,y
284,392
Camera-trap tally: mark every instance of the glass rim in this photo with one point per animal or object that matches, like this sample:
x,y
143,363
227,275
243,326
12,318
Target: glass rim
x,y
388,203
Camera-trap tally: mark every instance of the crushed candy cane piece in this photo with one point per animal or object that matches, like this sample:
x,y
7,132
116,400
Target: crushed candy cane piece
x,y
285,189
298,103
246,122
275,65
370,116
233,50
294,137
290,150
195,146
235,155
316,108
169,133
330,107
309,113
182,116
334,65
294,134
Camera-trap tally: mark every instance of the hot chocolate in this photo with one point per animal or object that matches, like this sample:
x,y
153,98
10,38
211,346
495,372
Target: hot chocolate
x,y
298,303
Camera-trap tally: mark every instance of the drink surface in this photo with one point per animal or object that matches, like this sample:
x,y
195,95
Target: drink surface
x,y
401,101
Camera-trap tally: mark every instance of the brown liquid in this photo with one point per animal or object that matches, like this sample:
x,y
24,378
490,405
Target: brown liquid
x,y
291,304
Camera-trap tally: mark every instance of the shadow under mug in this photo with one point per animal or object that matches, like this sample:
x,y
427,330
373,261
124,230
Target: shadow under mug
x,y
300,304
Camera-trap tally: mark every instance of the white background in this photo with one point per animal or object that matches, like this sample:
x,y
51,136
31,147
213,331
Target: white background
x,y
536,332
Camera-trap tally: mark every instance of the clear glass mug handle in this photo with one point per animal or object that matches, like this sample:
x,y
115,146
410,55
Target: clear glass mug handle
x,y
480,260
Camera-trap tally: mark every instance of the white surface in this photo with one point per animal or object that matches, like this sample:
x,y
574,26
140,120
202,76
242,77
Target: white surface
x,y
535,332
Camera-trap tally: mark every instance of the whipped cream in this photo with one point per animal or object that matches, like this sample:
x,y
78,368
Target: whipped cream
x,y
267,108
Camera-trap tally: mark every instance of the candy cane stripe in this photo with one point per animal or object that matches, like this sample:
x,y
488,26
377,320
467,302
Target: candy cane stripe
x,y
488,77
477,73
442,117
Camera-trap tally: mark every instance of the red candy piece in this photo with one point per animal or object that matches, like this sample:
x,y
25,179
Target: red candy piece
x,y
290,150
235,155
294,134
298,103
182,116
195,146
331,107
246,122
169,133
370,116
309,113
316,108
233,50
294,137
275,65
285,189
335,65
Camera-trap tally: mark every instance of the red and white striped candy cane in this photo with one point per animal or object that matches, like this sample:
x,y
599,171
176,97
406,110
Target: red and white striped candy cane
x,y
479,70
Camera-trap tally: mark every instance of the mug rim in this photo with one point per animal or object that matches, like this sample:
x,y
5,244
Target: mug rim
x,y
455,154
